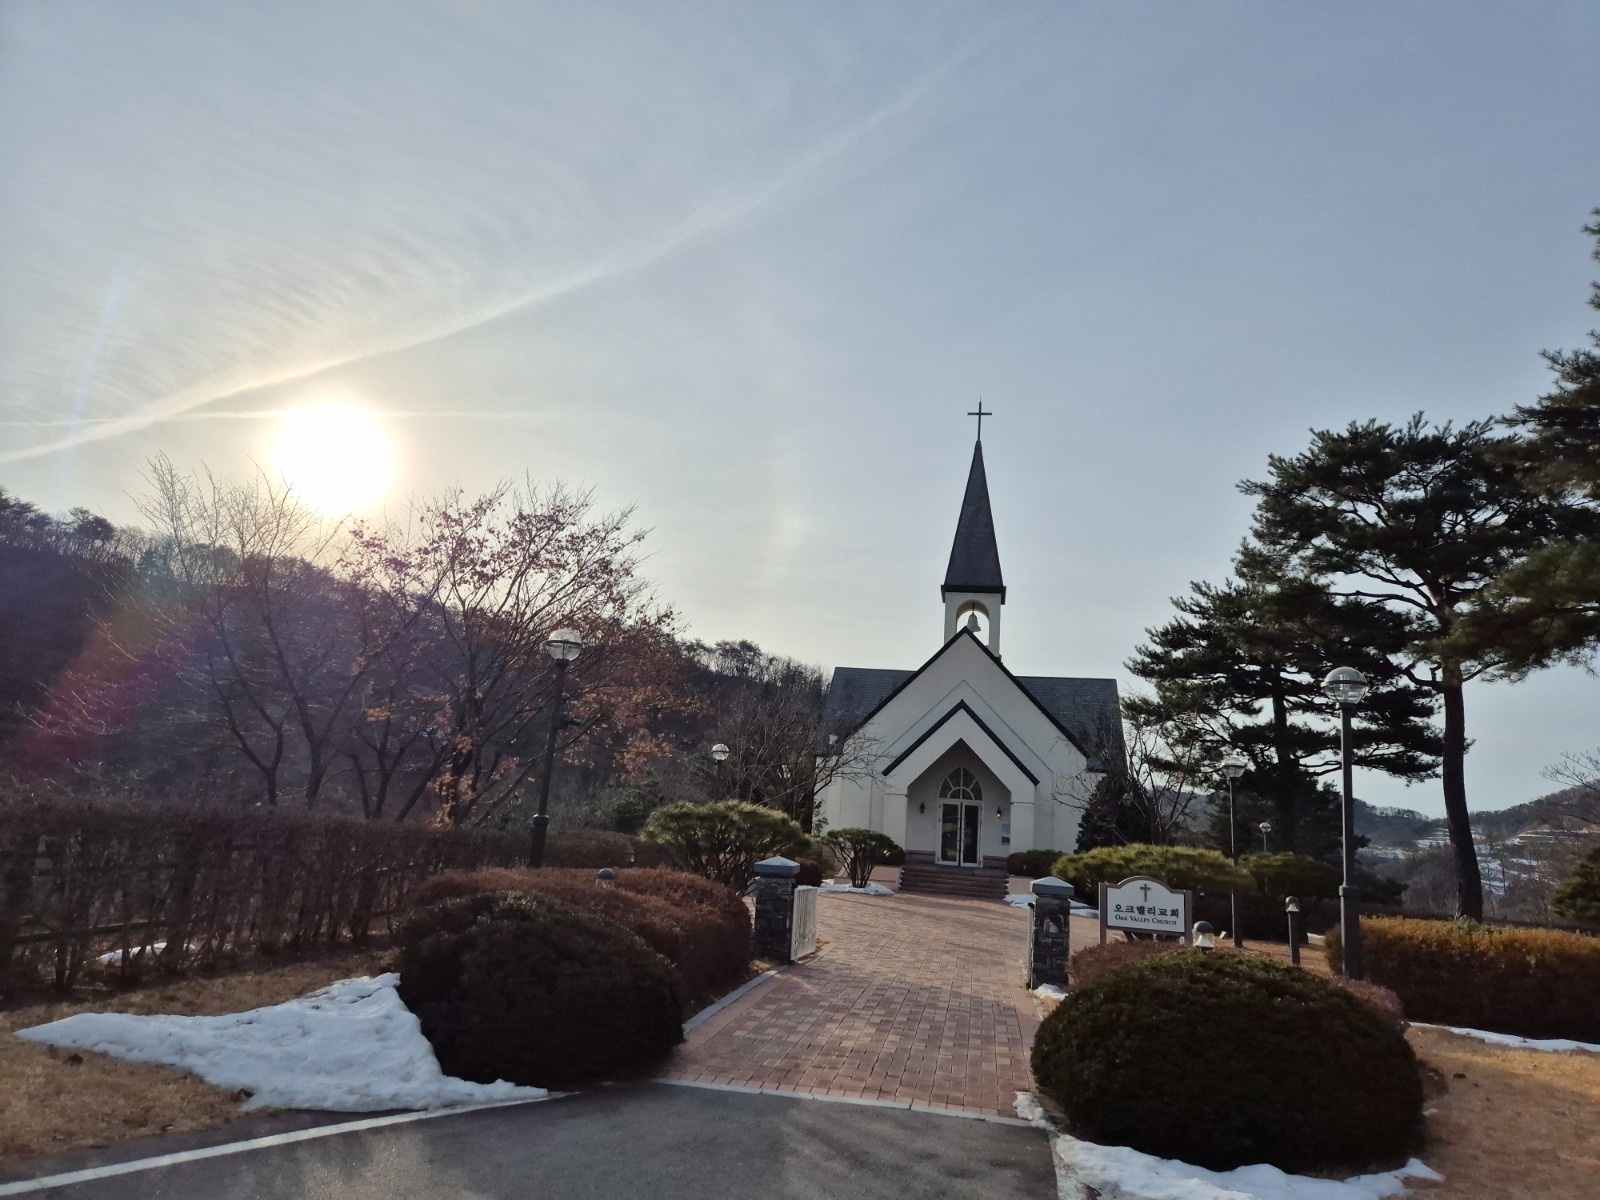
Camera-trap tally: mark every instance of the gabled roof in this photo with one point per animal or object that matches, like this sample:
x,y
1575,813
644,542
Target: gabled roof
x,y
1086,711
974,557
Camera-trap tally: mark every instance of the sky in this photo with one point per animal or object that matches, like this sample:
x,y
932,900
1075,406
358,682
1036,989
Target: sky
x,y
746,267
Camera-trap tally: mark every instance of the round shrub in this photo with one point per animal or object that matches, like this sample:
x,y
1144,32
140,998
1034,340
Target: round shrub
x,y
812,873
859,850
1181,867
1094,962
1223,1060
530,990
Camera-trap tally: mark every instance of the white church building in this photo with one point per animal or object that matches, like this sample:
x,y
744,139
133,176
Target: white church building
x,y
960,761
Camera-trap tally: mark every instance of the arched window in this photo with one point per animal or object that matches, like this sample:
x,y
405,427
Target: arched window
x,y
961,784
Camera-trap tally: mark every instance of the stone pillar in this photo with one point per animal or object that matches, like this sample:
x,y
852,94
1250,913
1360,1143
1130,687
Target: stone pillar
x,y
894,816
774,896
1051,943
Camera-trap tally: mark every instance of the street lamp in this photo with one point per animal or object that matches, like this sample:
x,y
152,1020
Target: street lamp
x,y
563,646
1266,828
1347,687
719,755
1291,905
1232,766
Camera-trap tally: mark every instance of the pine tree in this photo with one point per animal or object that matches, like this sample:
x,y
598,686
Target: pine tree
x,y
1547,608
1420,520
1241,668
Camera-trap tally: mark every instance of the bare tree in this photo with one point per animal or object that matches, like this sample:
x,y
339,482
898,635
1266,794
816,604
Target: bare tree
x,y
1579,800
1153,787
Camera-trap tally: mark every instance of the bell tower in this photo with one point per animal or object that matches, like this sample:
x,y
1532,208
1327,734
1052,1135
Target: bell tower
x,y
973,589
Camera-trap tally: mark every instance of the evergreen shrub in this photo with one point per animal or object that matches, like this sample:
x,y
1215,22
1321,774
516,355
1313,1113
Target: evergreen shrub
x,y
812,873
1539,983
534,991
592,848
1035,864
859,850
725,840
1183,868
1578,899
1224,1060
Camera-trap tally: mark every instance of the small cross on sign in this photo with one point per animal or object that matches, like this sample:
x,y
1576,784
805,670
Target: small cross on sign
x,y
980,414
1144,888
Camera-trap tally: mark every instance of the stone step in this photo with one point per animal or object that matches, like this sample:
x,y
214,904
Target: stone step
x,y
979,883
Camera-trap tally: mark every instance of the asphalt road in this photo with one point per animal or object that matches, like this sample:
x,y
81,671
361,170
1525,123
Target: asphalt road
x,y
644,1141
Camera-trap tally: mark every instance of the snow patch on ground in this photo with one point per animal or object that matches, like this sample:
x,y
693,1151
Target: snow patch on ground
x,y
872,889
350,1047
1048,991
1554,1045
1120,1173
1025,900
114,959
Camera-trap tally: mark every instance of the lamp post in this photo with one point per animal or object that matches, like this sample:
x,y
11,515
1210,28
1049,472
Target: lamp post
x,y
563,646
1266,828
1233,766
719,755
1291,905
1347,687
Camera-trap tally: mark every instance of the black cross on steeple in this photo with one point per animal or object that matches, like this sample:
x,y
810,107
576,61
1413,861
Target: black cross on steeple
x,y
980,414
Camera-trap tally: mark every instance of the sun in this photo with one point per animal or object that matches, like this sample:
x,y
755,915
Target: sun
x,y
334,458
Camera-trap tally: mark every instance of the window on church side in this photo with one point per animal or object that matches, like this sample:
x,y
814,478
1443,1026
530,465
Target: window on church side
x,y
961,784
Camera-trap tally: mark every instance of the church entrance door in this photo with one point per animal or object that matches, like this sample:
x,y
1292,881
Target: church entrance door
x,y
958,834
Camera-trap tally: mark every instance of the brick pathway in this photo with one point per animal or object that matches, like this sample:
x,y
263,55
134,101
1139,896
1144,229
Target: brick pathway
x,y
912,999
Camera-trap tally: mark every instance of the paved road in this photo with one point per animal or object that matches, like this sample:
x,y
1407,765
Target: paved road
x,y
651,1141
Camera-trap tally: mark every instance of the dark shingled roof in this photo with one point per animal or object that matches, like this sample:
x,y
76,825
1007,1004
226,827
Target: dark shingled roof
x,y
974,557
1087,709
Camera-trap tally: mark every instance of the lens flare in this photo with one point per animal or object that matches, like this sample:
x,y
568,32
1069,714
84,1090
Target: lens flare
x,y
334,458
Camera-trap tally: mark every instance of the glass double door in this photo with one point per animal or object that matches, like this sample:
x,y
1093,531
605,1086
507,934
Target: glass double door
x,y
958,834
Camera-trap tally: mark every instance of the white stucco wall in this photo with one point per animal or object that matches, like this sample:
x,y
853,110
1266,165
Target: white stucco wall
x,y
999,717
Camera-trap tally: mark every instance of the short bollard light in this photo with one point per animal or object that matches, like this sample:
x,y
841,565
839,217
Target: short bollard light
x,y
606,877
1205,937
1291,906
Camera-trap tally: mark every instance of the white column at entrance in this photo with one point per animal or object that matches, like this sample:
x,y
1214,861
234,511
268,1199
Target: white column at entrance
x,y
894,816
1022,826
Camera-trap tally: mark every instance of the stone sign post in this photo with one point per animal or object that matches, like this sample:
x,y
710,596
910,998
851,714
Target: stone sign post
x,y
1144,905
774,896
1051,943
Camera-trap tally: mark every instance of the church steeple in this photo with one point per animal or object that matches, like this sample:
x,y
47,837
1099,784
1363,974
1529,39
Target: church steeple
x,y
972,582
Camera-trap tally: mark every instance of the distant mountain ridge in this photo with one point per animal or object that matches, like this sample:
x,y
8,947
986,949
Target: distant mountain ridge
x,y
1404,827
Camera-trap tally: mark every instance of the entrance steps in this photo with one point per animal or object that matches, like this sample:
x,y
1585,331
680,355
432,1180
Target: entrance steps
x,y
974,883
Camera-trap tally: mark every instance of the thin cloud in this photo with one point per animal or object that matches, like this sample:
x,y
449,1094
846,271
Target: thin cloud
x,y
178,405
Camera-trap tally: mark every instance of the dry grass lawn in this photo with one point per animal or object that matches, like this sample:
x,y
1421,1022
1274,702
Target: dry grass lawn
x,y
53,1100
1511,1123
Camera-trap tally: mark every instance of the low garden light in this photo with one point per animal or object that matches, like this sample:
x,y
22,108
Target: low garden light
x,y
1204,937
606,877
1291,906
1347,687
719,753
1232,766
563,645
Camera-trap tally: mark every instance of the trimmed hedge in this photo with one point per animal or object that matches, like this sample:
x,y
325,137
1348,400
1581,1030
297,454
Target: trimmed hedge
x,y
79,878
534,991
1224,1060
1540,983
703,931
596,848
1035,864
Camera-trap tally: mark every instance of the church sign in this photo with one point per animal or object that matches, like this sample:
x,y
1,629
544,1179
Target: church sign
x,y
1144,905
